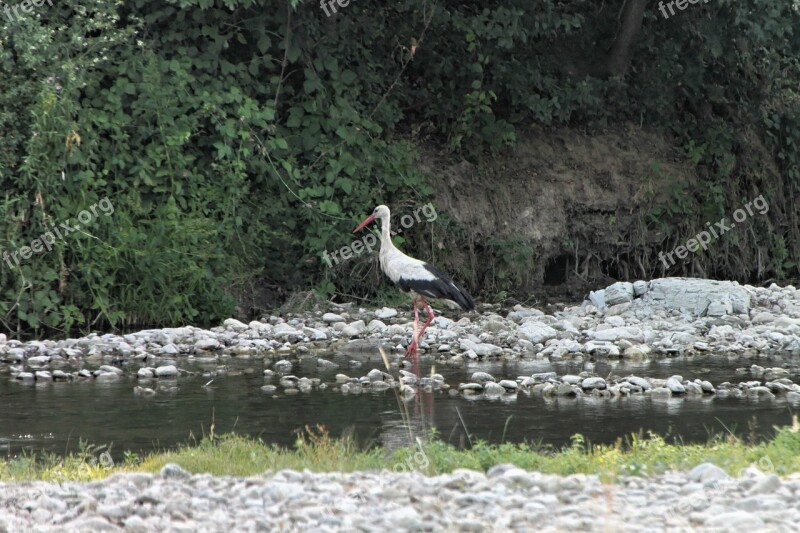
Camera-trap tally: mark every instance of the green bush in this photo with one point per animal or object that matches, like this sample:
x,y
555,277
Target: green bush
x,y
239,139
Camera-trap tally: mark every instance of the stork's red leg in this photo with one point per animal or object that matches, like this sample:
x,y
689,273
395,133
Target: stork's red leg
x,y
412,348
431,316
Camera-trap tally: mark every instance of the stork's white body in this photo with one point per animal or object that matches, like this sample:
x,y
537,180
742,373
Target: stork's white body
x,y
417,277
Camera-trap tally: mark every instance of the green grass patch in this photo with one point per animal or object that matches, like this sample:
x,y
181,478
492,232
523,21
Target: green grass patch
x,y
317,451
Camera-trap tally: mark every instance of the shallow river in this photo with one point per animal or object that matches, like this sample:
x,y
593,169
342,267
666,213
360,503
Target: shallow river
x,y
53,416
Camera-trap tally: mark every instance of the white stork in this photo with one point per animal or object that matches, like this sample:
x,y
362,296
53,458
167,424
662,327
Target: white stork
x,y
416,277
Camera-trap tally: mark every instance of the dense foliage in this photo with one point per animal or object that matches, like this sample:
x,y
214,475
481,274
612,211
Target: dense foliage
x,y
239,139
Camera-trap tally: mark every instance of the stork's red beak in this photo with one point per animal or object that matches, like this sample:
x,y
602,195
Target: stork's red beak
x,y
363,224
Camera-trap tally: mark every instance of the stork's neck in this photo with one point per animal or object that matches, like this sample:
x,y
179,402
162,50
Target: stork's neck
x,y
386,234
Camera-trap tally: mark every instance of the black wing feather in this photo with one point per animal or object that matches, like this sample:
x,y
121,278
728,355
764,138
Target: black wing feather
x,y
442,287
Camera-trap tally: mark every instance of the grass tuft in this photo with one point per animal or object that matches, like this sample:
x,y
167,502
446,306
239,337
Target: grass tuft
x,y
317,451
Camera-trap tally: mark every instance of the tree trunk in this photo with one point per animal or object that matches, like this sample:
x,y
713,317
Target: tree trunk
x,y
619,57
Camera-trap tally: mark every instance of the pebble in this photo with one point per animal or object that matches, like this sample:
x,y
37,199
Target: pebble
x,y
481,377
283,366
167,371
331,318
354,329
385,312
565,389
493,389
593,383
207,344
675,386
766,485
508,384
707,472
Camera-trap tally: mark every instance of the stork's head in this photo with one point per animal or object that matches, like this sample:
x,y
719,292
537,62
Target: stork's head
x,y
381,212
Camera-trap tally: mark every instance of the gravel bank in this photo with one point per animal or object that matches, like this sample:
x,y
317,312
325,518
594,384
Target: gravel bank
x,y
659,318
506,498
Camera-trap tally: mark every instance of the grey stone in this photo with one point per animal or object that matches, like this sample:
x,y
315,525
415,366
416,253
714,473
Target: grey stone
x,y
288,382
235,325
207,344
169,349
640,287
593,383
620,292
759,392
536,332
706,472
385,312
674,385
172,470
695,295
375,375
354,329
639,382
508,384
314,334
615,334
482,349
331,318
766,485
707,386
324,364
493,389
565,389
283,366
481,377
166,371
38,361
598,299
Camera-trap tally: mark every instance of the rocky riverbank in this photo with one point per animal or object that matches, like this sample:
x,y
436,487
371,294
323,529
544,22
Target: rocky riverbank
x,y
631,321
505,498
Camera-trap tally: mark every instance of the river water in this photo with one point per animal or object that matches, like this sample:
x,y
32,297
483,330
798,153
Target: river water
x,y
53,416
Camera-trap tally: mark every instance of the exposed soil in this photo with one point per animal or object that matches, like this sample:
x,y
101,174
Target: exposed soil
x,y
577,200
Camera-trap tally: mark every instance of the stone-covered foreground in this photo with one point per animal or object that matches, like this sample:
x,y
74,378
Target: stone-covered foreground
x,y
504,499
